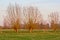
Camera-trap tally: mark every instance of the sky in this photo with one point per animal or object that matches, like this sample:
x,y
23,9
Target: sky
x,y
45,6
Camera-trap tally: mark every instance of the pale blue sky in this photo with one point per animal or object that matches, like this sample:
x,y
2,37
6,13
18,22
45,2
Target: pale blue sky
x,y
45,6
27,2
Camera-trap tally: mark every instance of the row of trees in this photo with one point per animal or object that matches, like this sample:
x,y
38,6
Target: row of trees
x,y
32,18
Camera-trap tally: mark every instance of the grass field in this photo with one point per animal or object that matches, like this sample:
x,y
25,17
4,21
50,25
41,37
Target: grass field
x,y
8,34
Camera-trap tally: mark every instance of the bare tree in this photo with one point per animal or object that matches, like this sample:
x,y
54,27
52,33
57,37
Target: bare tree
x,y
54,18
31,14
13,14
6,22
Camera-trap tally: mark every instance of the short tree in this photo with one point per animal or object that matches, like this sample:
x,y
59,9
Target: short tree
x,y
54,17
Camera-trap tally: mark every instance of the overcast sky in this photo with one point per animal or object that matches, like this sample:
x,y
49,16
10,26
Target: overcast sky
x,y
45,6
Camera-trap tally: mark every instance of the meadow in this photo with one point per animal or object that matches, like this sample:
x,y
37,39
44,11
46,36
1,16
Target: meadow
x,y
10,34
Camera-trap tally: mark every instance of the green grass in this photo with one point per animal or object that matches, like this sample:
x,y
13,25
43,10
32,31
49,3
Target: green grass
x,y
8,34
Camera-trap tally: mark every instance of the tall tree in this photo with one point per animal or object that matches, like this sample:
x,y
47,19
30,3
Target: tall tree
x,y
31,14
13,14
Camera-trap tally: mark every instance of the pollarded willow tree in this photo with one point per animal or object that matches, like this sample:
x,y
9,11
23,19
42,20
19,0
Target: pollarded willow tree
x,y
54,17
13,16
31,15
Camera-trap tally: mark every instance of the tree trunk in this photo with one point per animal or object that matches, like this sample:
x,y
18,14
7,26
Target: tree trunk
x,y
30,30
